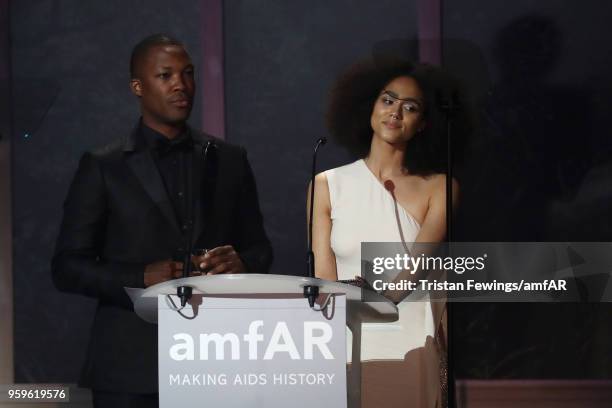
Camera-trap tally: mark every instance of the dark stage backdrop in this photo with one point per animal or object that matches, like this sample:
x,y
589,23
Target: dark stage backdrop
x,y
70,69
539,169
281,59
71,94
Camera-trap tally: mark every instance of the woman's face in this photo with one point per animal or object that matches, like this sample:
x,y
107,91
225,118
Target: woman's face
x,y
398,112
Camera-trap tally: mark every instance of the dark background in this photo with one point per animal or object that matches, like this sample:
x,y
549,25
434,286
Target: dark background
x,y
537,168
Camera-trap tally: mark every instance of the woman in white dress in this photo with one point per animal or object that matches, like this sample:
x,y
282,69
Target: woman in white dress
x,y
385,113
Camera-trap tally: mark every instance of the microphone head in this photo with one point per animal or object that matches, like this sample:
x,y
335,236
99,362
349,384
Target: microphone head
x,y
389,186
323,140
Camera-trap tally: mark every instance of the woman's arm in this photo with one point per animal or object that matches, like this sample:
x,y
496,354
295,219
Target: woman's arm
x,y
433,228
325,261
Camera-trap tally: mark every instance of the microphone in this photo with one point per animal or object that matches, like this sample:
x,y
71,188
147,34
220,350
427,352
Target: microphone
x,y
205,147
450,105
311,292
310,260
389,186
185,292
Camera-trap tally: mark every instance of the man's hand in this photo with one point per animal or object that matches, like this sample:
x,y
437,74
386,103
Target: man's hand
x,y
162,271
223,259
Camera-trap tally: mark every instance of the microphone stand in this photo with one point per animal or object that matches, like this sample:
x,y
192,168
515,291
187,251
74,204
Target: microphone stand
x,y
449,105
185,292
311,292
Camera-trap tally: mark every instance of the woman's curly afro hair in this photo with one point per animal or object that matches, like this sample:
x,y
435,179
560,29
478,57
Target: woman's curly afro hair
x,y
355,92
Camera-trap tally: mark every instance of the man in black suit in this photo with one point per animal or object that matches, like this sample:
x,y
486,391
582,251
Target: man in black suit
x,y
132,210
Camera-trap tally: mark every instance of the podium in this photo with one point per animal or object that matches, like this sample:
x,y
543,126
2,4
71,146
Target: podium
x,y
361,306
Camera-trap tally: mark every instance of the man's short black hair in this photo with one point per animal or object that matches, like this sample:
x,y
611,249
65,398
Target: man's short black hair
x,y
141,49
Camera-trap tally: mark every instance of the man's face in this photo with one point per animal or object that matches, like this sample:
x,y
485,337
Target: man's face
x,y
164,82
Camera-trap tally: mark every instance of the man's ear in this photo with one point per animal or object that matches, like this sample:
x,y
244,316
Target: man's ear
x,y
136,86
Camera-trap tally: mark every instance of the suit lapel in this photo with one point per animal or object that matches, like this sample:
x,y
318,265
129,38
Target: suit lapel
x,y
142,165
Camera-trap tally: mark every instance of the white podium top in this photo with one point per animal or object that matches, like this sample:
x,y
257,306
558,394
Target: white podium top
x,y
363,305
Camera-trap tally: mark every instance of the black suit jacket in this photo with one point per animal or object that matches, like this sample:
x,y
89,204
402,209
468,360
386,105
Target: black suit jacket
x,y
118,218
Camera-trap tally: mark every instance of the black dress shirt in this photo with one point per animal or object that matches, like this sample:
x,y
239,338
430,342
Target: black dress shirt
x,y
174,160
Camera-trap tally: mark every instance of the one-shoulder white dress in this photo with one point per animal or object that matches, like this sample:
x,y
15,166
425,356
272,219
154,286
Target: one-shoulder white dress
x,y
362,210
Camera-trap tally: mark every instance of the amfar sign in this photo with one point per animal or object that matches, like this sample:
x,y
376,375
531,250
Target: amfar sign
x,y
245,352
280,342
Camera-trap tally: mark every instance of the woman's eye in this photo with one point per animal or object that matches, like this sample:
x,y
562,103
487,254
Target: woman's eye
x,y
164,75
409,107
387,100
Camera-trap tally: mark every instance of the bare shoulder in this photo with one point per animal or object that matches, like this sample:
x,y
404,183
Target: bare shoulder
x,y
322,199
436,186
321,179
437,182
321,184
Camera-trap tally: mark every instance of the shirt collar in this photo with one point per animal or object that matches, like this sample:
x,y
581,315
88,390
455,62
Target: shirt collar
x,y
154,140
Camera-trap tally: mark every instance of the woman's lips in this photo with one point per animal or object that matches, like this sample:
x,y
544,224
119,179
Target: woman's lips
x,y
391,125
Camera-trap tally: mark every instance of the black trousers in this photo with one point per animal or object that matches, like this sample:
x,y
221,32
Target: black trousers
x,y
106,399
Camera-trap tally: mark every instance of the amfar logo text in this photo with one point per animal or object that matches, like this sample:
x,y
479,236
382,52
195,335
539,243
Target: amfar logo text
x,y
316,334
